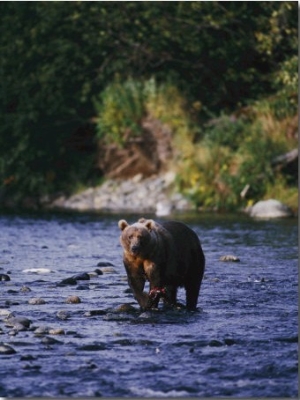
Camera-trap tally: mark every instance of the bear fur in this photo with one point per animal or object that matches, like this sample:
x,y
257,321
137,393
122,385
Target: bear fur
x,y
168,255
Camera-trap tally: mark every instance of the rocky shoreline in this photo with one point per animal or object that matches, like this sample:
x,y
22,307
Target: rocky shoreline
x,y
155,194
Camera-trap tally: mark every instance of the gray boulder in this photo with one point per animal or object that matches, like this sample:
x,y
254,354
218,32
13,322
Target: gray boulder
x,y
270,209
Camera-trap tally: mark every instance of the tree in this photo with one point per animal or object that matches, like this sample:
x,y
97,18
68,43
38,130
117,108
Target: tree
x,y
56,56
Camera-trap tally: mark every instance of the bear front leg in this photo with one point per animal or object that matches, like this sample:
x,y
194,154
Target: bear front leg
x,y
136,281
157,287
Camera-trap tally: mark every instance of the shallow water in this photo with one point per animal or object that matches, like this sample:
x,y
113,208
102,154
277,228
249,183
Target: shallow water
x,y
241,343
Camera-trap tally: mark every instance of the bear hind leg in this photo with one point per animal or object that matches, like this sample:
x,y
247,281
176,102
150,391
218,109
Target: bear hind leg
x,y
192,293
171,295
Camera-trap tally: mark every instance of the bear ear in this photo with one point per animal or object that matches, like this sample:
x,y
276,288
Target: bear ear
x,y
150,224
122,224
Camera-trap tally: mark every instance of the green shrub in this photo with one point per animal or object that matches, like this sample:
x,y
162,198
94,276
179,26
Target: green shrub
x,y
120,110
214,162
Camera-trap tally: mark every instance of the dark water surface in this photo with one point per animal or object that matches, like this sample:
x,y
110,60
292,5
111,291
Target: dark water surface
x,y
242,343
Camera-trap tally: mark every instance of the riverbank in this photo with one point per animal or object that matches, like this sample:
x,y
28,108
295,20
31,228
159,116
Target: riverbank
x,y
156,194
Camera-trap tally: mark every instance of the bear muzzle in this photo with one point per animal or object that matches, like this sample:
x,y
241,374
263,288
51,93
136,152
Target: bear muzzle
x,y
135,248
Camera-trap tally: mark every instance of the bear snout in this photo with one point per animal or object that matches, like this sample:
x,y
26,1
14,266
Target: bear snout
x,y
135,248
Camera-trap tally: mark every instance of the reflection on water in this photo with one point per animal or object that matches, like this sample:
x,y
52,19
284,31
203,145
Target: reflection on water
x,y
241,343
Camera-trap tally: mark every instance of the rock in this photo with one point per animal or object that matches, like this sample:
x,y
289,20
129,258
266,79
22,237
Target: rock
x,y
146,315
83,287
269,209
4,277
42,330
163,208
133,194
6,349
103,264
36,301
81,277
67,281
17,322
11,302
92,313
229,341
95,273
108,270
50,340
93,347
73,300
37,271
57,331
215,343
125,308
229,258
98,271
5,313
27,357
63,315
25,289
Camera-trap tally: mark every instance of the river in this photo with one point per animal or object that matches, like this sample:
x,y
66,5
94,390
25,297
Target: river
x,y
242,341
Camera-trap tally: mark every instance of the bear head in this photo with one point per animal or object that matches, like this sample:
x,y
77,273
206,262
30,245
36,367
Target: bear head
x,y
137,238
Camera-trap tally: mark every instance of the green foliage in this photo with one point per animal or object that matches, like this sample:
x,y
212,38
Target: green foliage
x,y
236,152
120,111
122,106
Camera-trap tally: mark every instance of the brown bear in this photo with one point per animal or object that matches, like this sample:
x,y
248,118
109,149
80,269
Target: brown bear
x,y
168,255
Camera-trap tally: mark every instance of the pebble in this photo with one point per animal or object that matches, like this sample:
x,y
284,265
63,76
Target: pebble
x,y
215,343
6,349
5,313
19,327
229,258
37,270
146,315
108,270
93,347
50,340
83,287
95,273
28,357
57,331
41,330
94,312
17,322
11,302
73,300
36,301
98,271
63,315
25,289
125,308
104,264
229,341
